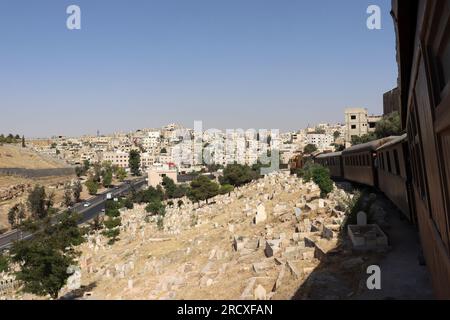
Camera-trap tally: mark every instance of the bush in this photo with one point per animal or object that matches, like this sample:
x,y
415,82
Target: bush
x,y
319,175
112,223
4,263
92,186
202,189
238,175
360,202
156,207
226,189
160,222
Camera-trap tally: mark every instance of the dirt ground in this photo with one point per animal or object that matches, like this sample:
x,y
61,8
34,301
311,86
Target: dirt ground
x,y
14,156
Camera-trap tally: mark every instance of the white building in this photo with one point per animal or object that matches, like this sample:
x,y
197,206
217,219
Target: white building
x,y
321,141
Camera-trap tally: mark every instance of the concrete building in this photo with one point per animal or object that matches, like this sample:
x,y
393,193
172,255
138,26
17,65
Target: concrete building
x,y
157,173
321,141
117,158
359,123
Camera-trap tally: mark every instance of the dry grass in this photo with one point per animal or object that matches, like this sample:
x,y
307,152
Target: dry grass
x,y
13,156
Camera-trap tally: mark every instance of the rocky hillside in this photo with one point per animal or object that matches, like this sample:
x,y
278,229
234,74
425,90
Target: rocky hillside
x,y
260,242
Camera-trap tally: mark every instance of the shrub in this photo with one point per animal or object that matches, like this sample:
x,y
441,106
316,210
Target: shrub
x,y
4,263
319,175
160,222
112,223
156,207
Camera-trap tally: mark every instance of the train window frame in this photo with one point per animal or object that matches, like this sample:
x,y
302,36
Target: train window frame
x,y
396,163
436,51
388,160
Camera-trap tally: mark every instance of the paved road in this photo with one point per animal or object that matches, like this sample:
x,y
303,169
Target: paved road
x,y
88,213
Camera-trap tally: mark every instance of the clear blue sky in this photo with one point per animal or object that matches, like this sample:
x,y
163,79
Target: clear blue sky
x,y
232,63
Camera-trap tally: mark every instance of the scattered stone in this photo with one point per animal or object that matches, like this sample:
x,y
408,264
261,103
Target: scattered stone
x,y
293,269
272,247
261,215
361,218
260,293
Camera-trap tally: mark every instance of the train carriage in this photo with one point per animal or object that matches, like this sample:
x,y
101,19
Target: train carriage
x,y
394,175
332,161
423,54
359,162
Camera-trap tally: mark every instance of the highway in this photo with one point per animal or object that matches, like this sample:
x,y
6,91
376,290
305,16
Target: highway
x,y
97,203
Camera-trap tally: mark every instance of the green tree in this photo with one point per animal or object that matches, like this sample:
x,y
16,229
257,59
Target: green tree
x,y
238,175
107,176
16,215
79,171
310,148
363,139
97,177
319,174
44,259
226,189
169,186
203,188
121,174
336,135
389,125
77,188
92,186
86,165
4,263
134,162
67,197
156,207
37,202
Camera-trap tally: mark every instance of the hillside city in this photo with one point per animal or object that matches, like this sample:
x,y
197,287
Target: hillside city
x,y
354,209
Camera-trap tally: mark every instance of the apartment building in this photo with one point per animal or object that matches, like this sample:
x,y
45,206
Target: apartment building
x,y
117,158
359,123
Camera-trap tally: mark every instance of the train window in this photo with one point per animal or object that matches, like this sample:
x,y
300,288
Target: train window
x,y
388,159
397,163
380,161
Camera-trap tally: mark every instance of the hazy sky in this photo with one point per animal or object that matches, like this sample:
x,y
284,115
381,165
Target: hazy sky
x,y
278,64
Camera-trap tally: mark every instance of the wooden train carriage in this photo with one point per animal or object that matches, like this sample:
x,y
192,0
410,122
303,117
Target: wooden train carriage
x,y
394,175
332,161
423,55
359,162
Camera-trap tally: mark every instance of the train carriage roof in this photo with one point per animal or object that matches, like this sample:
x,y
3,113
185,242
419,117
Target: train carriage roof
x,y
394,141
368,146
328,155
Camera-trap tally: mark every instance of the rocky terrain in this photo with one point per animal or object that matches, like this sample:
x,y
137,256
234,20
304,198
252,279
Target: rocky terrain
x,y
260,242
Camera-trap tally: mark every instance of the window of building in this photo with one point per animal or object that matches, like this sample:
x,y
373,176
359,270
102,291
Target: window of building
x,y
353,126
353,117
372,125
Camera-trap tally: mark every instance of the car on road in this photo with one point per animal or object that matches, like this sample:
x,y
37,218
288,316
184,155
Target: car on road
x,y
86,204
